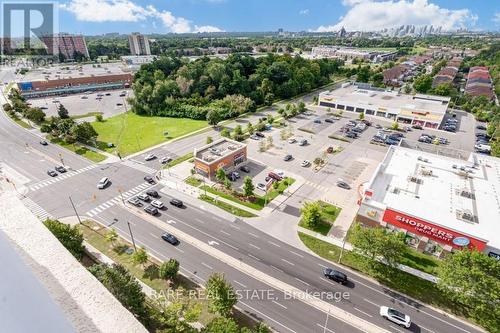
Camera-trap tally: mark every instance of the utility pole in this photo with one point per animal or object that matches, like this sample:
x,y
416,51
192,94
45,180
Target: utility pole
x,y
131,236
342,250
74,208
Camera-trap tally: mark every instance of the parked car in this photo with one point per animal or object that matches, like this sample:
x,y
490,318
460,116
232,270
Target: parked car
x,y
135,201
151,210
60,169
305,163
481,127
144,197
119,104
43,142
245,169
378,126
152,193
254,137
303,142
261,186
317,121
52,173
157,204
275,176
292,140
395,316
328,120
149,179
260,135
149,157
343,184
335,275
103,183
169,238
176,202
351,134
418,127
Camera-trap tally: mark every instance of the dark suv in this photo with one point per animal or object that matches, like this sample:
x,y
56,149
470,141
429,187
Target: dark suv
x,y
149,179
176,203
152,193
335,275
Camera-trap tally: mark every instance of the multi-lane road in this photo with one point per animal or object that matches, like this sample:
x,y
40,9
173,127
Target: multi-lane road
x,y
267,256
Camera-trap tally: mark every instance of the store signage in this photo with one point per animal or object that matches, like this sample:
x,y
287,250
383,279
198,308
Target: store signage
x,y
437,233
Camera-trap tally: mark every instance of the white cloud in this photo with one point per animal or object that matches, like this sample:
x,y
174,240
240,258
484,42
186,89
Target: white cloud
x,y
496,18
304,12
368,15
128,11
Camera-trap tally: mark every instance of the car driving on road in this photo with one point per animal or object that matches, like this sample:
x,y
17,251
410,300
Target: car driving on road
x,y
305,163
52,173
144,197
103,183
152,193
176,202
151,210
149,157
335,275
395,316
149,179
60,169
157,204
169,238
343,184
135,201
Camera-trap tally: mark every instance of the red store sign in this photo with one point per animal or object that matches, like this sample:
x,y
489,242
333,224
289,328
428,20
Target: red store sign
x,y
432,231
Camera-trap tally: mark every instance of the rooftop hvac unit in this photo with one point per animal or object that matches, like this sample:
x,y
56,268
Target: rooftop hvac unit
x,y
468,216
420,158
426,172
467,194
415,180
208,158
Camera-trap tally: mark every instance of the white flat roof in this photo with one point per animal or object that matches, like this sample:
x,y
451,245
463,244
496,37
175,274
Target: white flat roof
x,y
435,188
373,99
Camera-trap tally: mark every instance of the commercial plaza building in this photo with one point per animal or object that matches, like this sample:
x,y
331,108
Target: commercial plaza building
x,y
424,110
440,203
223,153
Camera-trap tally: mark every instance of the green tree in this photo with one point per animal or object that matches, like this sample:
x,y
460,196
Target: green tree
x,y
423,83
69,236
395,126
222,325
361,116
112,236
140,256
250,128
84,132
124,286
209,140
248,186
227,184
311,214
220,294
238,133
374,243
214,117
471,278
176,316
169,269
99,118
62,112
225,133
220,175
35,114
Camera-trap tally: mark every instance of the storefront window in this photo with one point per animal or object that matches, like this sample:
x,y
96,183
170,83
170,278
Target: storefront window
x,y
433,248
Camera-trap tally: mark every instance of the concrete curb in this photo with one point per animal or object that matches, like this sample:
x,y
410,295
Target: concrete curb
x,y
319,304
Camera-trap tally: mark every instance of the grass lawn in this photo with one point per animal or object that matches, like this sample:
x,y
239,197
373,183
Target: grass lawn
x,y
179,160
421,261
131,133
227,207
94,234
193,181
329,214
80,150
260,201
20,122
408,284
86,115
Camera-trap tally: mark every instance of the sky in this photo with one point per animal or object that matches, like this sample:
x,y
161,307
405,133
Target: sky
x,y
93,17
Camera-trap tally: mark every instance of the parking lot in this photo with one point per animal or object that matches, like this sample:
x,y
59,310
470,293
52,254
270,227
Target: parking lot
x,y
110,103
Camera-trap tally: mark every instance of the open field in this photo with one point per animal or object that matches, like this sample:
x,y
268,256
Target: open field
x,y
131,133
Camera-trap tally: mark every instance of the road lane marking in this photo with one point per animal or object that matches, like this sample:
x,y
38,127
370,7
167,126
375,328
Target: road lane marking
x,y
279,304
366,300
253,235
288,262
276,268
369,315
298,255
234,226
323,266
201,221
241,284
396,329
254,246
264,315
153,235
304,282
225,233
425,328
325,328
272,243
253,257
175,247
207,266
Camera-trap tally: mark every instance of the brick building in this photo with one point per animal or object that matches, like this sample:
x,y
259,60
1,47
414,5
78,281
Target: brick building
x,y
224,153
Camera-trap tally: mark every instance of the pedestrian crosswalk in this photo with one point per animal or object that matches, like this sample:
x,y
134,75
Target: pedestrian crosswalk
x,y
317,186
139,166
38,211
59,177
118,199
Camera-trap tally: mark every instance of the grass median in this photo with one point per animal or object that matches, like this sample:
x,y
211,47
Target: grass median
x,y
227,207
329,214
80,150
131,133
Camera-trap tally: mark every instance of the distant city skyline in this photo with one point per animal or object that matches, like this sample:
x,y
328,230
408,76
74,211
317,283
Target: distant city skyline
x,y
95,17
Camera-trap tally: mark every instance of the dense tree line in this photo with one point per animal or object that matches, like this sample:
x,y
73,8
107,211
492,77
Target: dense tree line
x,y
178,88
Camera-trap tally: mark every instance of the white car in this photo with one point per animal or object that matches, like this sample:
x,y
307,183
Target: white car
x,y
157,204
280,173
165,160
149,157
292,140
102,183
305,163
395,316
261,186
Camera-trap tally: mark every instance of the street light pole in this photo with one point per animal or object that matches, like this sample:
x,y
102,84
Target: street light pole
x,y
131,236
342,250
74,208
